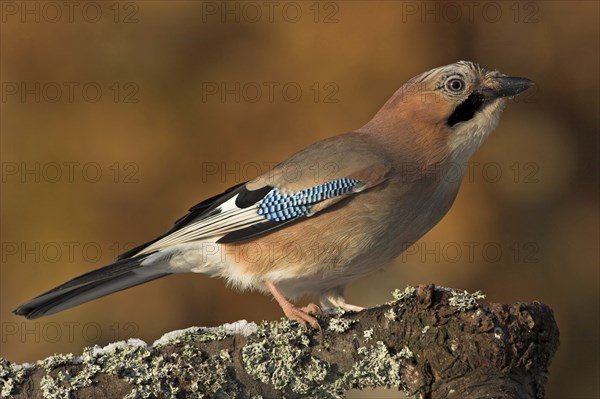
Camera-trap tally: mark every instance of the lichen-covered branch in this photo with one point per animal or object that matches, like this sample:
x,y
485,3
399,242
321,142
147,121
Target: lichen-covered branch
x,y
430,342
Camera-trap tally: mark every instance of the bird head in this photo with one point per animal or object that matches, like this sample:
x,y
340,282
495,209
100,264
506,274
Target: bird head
x,y
448,111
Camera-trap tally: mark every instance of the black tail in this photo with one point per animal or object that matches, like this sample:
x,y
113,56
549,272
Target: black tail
x,y
120,275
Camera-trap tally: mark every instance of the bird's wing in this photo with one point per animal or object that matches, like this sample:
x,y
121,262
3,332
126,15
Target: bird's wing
x,y
304,185
209,207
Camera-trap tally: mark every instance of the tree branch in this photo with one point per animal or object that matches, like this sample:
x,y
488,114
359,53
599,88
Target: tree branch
x,y
430,342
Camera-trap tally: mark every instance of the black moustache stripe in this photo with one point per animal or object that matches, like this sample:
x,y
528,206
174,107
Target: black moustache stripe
x,y
467,109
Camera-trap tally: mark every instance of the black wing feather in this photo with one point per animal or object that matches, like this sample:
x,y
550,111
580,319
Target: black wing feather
x,y
248,198
199,211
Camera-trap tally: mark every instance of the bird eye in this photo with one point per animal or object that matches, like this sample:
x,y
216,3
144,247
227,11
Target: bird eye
x,y
455,85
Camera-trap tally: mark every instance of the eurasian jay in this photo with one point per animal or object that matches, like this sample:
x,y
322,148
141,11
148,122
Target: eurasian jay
x,y
333,212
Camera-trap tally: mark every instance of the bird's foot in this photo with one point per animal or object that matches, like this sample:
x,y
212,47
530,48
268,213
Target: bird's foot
x,y
311,309
352,308
333,301
302,316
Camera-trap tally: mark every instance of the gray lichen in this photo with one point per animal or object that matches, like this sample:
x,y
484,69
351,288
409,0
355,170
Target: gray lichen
x,y
463,301
149,371
340,324
130,362
57,360
10,376
199,374
64,384
193,334
54,388
391,315
146,369
406,353
280,357
376,367
404,294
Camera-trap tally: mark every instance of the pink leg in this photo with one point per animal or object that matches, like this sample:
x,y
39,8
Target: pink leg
x,y
291,311
334,299
352,308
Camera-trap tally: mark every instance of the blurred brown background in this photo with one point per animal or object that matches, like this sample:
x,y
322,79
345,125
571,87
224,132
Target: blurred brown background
x,y
116,117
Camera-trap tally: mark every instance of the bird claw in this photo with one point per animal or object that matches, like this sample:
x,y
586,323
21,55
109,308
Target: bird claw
x,y
312,309
303,316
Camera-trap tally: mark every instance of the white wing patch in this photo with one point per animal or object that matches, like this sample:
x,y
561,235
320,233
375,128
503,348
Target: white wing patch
x,y
230,218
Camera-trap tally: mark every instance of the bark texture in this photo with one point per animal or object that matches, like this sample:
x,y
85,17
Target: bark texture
x,y
429,342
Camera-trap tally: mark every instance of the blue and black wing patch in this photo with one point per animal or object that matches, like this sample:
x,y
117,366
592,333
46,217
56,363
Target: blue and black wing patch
x,y
239,214
280,209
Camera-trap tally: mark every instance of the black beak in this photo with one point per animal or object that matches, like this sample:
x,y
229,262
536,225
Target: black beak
x,y
508,86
